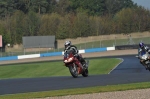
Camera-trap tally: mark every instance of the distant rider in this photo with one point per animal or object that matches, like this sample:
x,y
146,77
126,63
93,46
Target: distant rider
x,y
69,46
141,51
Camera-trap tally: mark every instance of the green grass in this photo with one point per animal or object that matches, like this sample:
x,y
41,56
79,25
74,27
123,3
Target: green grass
x,y
48,69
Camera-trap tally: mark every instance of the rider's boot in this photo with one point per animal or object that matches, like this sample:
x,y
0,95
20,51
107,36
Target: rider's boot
x,y
83,62
145,66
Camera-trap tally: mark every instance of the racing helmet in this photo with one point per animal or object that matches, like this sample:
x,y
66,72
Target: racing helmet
x,y
141,45
67,44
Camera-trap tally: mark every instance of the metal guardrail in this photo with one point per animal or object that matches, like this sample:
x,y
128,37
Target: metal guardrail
x,y
124,47
54,54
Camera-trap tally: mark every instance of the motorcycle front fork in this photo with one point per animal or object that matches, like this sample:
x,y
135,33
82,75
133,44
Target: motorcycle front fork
x,y
142,62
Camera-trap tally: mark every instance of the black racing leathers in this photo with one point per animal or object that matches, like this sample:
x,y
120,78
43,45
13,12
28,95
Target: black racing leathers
x,y
75,53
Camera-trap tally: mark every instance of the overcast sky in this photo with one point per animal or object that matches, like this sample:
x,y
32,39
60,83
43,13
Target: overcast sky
x,y
144,3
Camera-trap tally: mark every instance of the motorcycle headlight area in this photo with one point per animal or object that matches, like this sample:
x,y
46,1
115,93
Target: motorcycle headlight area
x,y
69,60
144,57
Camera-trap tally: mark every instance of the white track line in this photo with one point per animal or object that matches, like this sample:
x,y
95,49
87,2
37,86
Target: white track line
x,y
116,65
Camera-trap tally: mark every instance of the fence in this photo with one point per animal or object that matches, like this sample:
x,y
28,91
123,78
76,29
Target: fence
x,y
84,43
113,39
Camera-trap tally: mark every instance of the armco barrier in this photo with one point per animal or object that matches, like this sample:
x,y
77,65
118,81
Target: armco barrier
x,y
99,49
54,54
9,58
95,50
28,56
51,54
124,47
110,48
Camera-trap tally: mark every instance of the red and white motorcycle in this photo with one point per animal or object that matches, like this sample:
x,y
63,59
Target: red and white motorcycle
x,y
74,65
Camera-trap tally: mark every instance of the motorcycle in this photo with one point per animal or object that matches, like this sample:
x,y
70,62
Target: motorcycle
x,y
146,61
75,66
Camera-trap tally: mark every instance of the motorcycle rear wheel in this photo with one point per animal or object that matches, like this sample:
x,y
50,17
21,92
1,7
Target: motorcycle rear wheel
x,y
73,70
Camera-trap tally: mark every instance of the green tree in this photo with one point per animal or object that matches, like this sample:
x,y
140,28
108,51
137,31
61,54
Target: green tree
x,y
7,7
51,6
132,19
62,7
81,26
22,5
4,33
92,7
124,20
141,19
49,24
39,6
64,28
17,30
31,24
114,6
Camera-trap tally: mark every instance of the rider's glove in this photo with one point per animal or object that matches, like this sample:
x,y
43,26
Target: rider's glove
x,y
140,50
76,55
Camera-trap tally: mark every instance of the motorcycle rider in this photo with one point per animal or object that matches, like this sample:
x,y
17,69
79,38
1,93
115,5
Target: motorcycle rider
x,y
69,46
141,51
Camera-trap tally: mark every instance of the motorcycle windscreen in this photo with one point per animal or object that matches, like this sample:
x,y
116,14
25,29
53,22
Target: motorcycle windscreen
x,y
67,53
143,53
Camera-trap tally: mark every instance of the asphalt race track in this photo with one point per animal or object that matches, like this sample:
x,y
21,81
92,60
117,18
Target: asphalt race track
x,y
129,71
131,64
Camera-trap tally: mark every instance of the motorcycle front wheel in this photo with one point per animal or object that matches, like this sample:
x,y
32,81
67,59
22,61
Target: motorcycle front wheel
x,y
73,70
85,73
148,66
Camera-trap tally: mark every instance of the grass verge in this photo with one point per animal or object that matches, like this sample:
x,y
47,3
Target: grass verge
x,y
48,69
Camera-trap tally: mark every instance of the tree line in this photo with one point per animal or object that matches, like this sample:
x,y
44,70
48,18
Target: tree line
x,y
70,18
